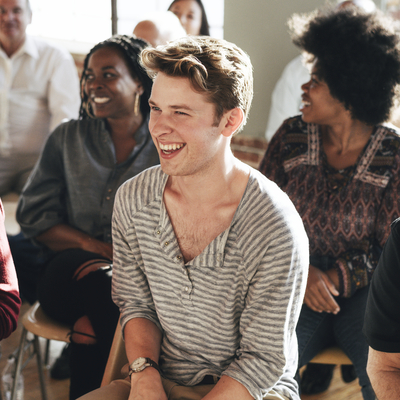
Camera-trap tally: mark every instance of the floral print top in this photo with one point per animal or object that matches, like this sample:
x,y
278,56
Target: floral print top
x,y
346,213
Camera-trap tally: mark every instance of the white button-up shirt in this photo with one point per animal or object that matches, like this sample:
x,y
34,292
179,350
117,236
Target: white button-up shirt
x,y
39,88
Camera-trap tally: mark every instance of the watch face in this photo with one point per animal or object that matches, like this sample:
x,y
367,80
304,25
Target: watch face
x,y
138,363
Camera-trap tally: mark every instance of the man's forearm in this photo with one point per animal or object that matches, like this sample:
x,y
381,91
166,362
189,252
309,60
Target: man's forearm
x,y
143,339
384,372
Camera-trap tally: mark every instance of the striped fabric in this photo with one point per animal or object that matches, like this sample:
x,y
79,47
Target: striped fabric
x,y
231,310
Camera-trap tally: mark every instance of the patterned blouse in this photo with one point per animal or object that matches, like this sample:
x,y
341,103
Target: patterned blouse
x,y
346,213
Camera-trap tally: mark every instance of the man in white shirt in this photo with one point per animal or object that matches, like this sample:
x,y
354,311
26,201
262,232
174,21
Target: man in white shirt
x,y
39,88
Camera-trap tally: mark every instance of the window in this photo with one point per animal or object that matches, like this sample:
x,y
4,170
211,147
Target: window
x,y
79,24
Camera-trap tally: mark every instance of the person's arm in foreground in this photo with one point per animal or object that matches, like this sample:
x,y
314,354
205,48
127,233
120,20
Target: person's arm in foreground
x,y
384,372
10,301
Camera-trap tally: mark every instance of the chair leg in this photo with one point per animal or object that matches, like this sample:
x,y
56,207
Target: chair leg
x,y
36,345
18,366
47,353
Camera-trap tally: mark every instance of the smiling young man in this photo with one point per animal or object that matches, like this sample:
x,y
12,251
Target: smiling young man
x,y
210,257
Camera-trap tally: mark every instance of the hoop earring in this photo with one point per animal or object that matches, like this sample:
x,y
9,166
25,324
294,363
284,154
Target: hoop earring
x,y
136,105
86,106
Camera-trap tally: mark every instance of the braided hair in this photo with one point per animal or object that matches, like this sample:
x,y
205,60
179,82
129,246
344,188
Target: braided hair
x,y
130,47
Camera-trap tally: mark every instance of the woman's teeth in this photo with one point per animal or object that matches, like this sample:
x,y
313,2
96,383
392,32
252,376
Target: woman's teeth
x,y
101,100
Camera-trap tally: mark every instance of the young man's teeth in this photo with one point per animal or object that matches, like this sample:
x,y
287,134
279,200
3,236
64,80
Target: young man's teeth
x,y
171,147
306,103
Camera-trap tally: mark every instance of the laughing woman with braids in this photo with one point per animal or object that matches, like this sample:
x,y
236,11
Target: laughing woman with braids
x,y
340,165
67,203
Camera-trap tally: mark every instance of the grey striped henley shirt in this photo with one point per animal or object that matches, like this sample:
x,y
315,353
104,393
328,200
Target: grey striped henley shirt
x,y
233,309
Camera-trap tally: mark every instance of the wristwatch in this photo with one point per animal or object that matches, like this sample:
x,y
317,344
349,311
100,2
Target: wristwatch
x,y
142,363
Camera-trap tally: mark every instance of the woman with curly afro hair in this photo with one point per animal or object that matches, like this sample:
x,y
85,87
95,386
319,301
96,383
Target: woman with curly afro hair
x,y
340,165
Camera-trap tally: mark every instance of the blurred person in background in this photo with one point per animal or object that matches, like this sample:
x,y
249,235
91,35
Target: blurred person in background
x,y
192,15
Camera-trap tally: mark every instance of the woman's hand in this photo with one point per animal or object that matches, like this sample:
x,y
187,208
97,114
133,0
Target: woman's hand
x,y
320,291
98,247
62,237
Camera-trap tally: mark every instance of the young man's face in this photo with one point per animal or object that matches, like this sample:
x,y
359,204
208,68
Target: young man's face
x,y
182,125
14,18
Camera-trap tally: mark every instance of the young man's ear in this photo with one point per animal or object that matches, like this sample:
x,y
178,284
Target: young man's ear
x,y
232,120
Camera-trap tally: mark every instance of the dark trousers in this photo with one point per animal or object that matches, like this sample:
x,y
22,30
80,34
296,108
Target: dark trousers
x,y
316,331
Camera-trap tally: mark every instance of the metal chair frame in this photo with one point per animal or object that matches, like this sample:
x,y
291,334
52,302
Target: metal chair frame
x,y
40,325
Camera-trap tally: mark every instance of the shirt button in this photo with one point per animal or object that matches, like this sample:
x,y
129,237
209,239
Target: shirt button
x,y
166,244
179,257
158,232
108,198
186,289
109,190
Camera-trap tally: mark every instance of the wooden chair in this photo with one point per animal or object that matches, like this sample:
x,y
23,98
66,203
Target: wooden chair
x,y
40,325
116,360
331,355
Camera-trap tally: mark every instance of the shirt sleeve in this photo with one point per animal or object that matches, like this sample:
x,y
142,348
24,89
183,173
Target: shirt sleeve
x,y
63,90
10,301
130,288
267,355
42,201
382,320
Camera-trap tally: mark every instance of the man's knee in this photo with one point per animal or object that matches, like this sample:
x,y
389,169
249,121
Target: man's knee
x,y
116,390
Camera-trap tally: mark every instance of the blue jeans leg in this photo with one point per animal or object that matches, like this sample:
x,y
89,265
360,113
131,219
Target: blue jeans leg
x,y
316,331
348,335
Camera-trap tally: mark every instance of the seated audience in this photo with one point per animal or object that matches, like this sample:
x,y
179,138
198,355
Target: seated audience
x,y
209,255
192,15
159,29
67,203
10,301
286,96
382,320
340,166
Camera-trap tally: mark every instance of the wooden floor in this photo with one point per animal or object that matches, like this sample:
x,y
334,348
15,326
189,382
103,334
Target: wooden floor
x,y
58,390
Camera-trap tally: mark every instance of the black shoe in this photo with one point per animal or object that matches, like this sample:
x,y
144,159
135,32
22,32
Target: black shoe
x,y
60,369
348,373
316,378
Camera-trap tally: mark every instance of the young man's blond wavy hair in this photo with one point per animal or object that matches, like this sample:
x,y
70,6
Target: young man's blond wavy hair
x,y
214,67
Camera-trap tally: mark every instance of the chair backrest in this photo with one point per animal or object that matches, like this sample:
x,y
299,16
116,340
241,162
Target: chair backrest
x,y
116,359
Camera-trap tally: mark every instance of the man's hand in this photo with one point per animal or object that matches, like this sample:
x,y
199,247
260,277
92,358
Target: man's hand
x,y
147,385
320,291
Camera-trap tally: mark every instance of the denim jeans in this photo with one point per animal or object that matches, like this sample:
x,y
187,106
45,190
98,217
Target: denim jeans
x,y
316,331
